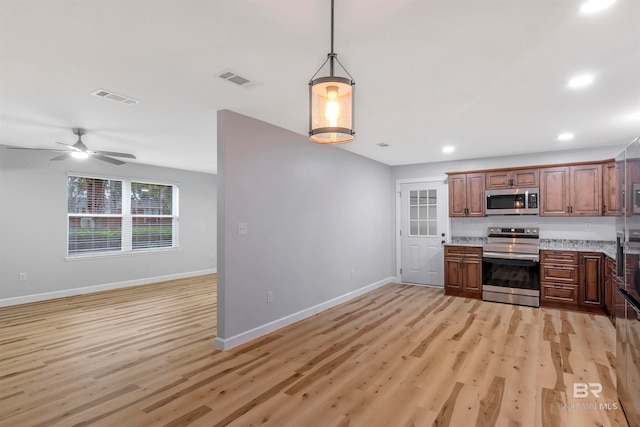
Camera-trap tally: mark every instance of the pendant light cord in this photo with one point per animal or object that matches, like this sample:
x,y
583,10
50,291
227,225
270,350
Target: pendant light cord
x,y
332,55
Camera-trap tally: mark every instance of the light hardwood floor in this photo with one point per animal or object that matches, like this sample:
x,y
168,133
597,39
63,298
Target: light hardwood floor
x,y
399,356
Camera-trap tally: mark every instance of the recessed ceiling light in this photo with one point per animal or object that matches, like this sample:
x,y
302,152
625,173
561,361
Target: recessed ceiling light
x,y
594,6
566,136
448,149
580,81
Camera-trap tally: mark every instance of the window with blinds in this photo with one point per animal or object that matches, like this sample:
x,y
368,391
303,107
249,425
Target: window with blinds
x,y
94,210
107,215
152,220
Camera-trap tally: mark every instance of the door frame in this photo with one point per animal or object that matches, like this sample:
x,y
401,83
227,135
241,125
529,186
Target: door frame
x,y
439,179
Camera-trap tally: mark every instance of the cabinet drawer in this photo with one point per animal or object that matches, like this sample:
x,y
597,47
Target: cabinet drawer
x,y
559,273
559,257
459,251
567,294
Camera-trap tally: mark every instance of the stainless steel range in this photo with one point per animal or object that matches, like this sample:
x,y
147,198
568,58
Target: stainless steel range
x,y
511,266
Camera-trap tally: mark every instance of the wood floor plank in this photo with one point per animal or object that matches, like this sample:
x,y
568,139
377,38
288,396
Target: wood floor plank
x,y
399,355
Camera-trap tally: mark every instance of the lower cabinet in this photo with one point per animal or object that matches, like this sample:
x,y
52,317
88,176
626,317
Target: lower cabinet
x,y
572,280
610,284
463,271
559,279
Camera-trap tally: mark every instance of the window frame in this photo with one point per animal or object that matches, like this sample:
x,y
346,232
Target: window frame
x,y
126,216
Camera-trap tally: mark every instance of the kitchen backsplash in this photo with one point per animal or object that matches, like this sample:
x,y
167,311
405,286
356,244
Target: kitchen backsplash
x,y
590,228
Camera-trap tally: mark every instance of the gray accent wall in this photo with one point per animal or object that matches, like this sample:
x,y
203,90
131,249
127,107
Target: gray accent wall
x,y
319,223
33,227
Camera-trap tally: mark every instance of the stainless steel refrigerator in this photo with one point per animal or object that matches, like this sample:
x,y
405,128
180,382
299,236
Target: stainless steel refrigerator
x,y
628,283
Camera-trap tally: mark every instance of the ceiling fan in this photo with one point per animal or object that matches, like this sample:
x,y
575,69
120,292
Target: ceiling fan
x,y
81,151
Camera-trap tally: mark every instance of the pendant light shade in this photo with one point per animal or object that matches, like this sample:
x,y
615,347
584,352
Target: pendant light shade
x,y
331,103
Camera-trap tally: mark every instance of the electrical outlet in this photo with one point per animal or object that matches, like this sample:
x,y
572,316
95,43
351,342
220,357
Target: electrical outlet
x,y
269,296
23,277
587,226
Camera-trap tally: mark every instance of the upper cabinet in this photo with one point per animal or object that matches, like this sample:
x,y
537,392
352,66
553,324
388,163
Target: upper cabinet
x,y
611,203
571,190
466,195
520,178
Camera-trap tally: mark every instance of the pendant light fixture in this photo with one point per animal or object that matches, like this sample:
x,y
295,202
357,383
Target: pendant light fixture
x,y
331,103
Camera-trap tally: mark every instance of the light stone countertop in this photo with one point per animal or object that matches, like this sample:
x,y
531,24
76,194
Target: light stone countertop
x,y
603,246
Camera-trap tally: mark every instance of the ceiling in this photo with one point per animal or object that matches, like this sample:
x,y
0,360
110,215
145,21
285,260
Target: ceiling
x,y
488,77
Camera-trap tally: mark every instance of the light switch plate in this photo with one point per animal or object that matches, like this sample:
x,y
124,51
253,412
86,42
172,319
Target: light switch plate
x,y
242,228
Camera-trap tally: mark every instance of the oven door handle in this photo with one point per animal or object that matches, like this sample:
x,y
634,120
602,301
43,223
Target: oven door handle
x,y
511,259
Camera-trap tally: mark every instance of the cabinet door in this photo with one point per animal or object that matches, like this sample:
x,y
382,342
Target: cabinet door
x,y
498,180
475,194
457,195
526,178
453,274
586,190
554,191
611,205
472,275
590,292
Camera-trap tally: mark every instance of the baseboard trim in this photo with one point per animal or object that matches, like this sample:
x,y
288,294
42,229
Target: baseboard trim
x,y
5,302
236,340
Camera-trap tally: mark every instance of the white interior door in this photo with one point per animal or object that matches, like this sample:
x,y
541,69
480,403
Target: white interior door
x,y
423,226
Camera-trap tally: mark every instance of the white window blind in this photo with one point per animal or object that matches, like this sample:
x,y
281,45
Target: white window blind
x,y
94,211
107,215
152,219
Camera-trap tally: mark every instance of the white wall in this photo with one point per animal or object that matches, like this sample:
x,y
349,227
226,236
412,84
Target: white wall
x,y
33,226
314,214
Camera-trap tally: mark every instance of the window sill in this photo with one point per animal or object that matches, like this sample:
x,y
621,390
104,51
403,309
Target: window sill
x,y
116,254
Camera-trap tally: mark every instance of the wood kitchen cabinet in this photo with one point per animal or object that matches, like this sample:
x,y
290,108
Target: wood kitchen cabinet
x,y
463,271
610,283
559,279
518,178
611,203
590,284
572,280
466,195
571,190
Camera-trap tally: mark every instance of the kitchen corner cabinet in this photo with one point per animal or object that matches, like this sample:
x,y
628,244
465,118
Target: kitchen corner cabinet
x,y
611,203
466,195
519,178
463,271
571,190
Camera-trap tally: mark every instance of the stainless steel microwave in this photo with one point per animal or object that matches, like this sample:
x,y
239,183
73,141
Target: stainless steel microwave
x,y
515,201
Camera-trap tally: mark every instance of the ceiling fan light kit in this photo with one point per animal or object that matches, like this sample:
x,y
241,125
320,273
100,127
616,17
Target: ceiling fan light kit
x,y
80,151
331,103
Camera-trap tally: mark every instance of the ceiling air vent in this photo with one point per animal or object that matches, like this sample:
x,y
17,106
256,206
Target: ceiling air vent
x,y
383,144
101,93
234,78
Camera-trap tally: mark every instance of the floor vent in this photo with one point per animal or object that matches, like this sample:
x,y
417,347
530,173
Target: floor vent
x,y
101,93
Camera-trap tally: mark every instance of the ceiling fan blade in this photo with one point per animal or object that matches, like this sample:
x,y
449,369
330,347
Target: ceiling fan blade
x,y
116,154
37,149
62,143
62,156
107,159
